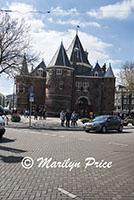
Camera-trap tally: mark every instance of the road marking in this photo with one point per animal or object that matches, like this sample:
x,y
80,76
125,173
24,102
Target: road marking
x,y
84,139
67,193
119,144
61,136
53,135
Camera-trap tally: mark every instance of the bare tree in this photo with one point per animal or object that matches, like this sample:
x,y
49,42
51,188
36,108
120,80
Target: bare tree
x,y
127,76
14,42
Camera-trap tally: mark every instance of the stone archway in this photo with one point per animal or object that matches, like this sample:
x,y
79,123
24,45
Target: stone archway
x,y
83,106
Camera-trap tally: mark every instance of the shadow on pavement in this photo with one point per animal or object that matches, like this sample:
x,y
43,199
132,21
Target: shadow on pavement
x,y
11,159
5,140
12,149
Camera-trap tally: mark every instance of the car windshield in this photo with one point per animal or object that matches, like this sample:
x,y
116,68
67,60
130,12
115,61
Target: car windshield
x,y
100,118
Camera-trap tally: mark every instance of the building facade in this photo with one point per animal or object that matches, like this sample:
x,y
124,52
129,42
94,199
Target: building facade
x,y
69,82
28,83
124,100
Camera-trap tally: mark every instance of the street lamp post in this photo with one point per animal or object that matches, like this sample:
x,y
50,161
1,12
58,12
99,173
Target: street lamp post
x,y
13,103
102,86
31,100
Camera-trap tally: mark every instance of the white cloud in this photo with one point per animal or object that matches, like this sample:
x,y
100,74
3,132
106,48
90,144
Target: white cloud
x,y
44,39
59,11
50,19
25,11
114,61
6,85
47,41
77,22
120,10
21,10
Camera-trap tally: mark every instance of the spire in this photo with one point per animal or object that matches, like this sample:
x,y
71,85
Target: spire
x,y
24,69
60,58
81,55
109,72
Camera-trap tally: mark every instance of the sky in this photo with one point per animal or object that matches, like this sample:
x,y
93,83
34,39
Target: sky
x,y
106,29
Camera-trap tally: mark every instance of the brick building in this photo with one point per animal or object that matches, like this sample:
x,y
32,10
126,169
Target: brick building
x,y
124,100
28,82
69,82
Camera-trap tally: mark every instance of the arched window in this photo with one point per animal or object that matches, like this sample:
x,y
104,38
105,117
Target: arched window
x,y
96,73
61,85
58,71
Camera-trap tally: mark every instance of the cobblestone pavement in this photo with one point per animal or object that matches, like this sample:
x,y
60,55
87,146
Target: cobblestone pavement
x,y
42,183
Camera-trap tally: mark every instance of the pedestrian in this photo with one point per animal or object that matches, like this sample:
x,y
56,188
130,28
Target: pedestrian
x,y
62,117
68,118
40,114
74,118
44,113
36,114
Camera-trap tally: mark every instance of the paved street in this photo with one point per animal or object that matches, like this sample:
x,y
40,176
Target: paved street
x,y
59,167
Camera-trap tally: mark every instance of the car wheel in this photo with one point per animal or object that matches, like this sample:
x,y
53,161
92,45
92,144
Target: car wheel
x,y
103,129
87,131
120,129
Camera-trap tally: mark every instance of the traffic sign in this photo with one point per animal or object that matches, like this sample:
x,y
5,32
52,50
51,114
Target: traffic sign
x,y
31,98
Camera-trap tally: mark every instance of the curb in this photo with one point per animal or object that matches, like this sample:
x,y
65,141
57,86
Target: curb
x,y
45,128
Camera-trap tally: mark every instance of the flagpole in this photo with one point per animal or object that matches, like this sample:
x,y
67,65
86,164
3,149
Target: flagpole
x,y
77,27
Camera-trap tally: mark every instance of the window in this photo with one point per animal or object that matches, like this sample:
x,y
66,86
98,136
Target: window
x,y
96,73
119,101
40,72
61,85
125,101
78,86
59,71
21,89
85,86
50,72
132,101
68,72
124,96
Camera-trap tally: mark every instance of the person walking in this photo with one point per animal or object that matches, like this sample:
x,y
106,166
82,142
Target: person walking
x,y
68,118
62,117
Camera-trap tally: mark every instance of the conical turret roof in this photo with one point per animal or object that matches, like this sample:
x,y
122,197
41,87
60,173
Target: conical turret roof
x,y
97,69
60,58
40,66
80,55
24,69
109,72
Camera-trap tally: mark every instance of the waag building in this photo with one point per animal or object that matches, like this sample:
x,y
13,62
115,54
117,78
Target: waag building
x,y
68,82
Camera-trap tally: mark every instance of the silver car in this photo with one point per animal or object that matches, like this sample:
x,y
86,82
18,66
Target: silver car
x,y
2,127
104,123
